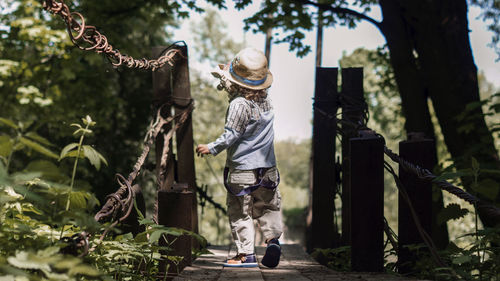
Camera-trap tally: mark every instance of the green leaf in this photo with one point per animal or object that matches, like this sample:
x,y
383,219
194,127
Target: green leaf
x,y
82,131
67,263
38,147
454,175
488,188
94,157
66,149
155,236
77,200
73,154
8,122
34,136
28,261
83,269
475,165
490,171
451,211
146,222
461,259
6,146
48,170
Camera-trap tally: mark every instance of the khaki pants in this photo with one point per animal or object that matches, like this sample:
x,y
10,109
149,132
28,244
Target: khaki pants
x,y
263,204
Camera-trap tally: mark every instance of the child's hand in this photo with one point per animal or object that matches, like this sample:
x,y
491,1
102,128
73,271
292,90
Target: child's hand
x,y
202,149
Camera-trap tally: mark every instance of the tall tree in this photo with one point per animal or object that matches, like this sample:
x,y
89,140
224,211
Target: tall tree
x,y
431,56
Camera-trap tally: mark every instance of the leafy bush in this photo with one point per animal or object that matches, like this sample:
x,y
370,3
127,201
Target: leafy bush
x,y
47,230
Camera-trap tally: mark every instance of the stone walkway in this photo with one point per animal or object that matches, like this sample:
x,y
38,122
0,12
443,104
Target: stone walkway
x,y
295,265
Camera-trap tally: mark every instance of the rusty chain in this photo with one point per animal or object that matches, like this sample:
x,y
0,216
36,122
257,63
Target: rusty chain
x,y
424,174
82,34
123,199
119,205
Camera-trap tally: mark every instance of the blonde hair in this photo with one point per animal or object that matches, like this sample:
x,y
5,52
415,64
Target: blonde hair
x,y
235,90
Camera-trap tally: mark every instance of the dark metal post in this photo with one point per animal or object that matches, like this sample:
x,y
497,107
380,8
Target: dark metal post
x,y
322,231
419,151
367,203
352,99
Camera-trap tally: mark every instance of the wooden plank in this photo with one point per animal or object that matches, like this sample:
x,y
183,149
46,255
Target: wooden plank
x,y
367,203
322,230
419,151
351,98
184,134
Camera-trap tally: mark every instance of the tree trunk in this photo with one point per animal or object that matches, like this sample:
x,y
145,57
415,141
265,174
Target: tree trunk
x,y
440,34
413,92
445,55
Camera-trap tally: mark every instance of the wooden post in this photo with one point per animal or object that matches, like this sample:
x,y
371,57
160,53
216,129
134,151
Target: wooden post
x,y
176,203
173,213
419,151
322,232
162,91
351,100
367,203
184,135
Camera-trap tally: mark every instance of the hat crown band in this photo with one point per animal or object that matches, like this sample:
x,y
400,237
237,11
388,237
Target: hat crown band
x,y
242,79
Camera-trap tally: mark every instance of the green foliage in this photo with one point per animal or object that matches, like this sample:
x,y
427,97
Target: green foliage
x,y
452,211
338,259
44,78
41,209
293,161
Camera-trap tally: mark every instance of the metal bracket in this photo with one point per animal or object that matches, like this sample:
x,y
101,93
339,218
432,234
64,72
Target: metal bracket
x,y
180,187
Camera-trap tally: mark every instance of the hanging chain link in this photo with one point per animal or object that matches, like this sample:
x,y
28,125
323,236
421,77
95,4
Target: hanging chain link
x,y
88,38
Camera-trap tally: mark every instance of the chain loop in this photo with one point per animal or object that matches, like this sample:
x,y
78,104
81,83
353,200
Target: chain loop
x,y
80,33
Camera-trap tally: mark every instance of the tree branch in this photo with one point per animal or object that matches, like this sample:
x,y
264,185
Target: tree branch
x,y
340,10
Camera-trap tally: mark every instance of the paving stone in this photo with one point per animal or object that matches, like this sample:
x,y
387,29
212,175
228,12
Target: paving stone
x,y
295,265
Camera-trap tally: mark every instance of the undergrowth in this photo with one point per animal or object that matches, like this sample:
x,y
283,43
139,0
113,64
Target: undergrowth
x,y
44,212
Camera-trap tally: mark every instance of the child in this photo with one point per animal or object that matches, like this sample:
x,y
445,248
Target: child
x,y
250,176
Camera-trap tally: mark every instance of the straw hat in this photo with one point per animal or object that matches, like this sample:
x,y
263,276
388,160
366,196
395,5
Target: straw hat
x,y
248,69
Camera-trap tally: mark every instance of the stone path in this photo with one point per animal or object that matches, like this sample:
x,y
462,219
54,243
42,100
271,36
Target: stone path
x,y
295,265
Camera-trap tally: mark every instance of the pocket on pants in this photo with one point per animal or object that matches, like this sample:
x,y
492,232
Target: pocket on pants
x,y
272,175
242,177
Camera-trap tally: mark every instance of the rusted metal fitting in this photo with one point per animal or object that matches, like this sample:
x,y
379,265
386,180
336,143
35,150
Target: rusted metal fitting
x,y
367,134
416,136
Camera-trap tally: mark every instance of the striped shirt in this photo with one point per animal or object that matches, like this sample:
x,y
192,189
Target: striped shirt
x,y
248,135
241,110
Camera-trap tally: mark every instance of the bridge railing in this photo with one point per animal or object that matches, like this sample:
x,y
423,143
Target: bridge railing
x,y
362,193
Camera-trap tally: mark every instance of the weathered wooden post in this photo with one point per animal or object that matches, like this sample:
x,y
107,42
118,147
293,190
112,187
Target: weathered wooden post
x,y
351,101
176,203
419,151
322,232
367,202
184,135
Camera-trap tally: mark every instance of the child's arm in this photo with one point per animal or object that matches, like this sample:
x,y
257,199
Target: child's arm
x,y
238,117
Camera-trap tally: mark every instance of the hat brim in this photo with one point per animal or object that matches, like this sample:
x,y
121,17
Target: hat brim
x,y
223,70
